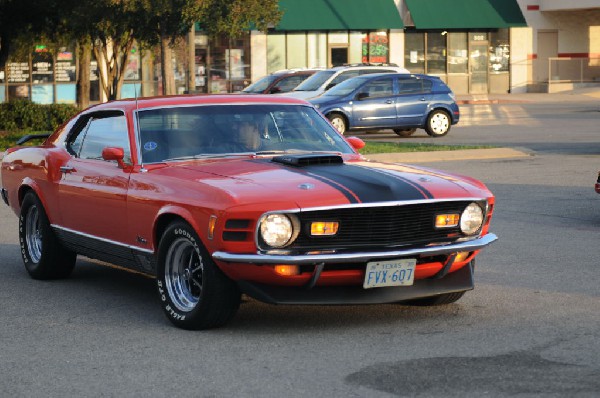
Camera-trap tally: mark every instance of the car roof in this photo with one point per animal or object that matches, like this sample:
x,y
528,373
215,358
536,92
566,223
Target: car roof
x,y
131,104
296,71
366,66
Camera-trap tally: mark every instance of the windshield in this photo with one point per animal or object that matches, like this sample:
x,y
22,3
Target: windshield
x,y
233,130
345,87
260,85
315,81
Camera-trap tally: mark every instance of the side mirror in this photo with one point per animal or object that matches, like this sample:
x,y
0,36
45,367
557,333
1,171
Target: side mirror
x,y
274,90
362,96
329,86
113,153
356,143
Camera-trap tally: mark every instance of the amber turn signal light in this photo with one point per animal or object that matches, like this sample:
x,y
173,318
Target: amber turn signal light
x,y
446,220
324,228
287,270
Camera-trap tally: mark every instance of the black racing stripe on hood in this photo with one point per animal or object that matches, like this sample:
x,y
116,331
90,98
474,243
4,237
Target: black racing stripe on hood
x,y
421,188
306,171
371,185
363,184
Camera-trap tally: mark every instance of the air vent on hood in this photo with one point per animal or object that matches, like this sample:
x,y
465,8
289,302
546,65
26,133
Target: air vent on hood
x,y
308,159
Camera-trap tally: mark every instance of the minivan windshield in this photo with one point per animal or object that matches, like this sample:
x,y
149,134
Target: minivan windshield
x,y
315,81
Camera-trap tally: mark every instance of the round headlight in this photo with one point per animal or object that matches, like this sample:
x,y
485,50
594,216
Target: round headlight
x,y
471,219
276,230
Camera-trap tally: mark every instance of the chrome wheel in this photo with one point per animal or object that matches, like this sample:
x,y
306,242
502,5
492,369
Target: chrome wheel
x,y
339,123
33,234
438,124
183,274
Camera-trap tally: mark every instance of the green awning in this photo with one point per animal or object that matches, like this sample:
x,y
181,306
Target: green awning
x,y
339,15
465,14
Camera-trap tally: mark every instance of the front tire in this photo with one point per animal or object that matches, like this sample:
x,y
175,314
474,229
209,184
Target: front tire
x,y
194,293
438,123
43,255
338,121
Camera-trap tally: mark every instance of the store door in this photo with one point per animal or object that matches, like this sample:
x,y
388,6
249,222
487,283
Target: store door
x,y
547,48
478,63
338,56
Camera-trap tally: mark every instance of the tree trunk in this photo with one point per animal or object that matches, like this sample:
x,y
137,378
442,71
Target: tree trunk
x,y
84,58
192,60
166,66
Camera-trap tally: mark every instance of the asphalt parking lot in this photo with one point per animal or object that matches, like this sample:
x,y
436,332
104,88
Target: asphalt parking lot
x,y
531,327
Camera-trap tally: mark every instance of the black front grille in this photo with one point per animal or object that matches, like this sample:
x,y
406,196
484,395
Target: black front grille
x,y
364,227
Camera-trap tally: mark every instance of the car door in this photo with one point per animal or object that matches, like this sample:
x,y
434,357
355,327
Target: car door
x,y
92,191
374,105
412,101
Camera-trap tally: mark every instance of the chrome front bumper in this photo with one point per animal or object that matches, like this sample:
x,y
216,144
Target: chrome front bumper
x,y
356,257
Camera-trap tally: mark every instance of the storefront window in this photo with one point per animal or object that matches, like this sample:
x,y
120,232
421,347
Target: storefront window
x,y
414,52
66,94
436,52
457,52
42,93
499,51
276,56
42,70
230,64
375,48
316,49
296,58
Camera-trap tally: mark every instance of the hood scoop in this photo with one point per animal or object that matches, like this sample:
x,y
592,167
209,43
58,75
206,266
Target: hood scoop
x,y
309,159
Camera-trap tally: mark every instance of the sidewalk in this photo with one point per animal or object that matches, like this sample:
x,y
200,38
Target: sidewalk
x,y
444,156
579,95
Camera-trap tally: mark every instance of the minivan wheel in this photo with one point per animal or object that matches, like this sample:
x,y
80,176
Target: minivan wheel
x,y
338,122
438,123
405,132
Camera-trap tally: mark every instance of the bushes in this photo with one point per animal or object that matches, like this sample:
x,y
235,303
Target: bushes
x,y
24,115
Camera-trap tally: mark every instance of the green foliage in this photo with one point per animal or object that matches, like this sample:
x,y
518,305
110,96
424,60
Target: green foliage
x,y
233,17
24,115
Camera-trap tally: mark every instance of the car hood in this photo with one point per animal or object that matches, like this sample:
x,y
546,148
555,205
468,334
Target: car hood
x,y
300,94
356,181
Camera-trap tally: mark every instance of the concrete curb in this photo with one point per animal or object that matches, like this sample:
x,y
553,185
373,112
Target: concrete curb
x,y
444,156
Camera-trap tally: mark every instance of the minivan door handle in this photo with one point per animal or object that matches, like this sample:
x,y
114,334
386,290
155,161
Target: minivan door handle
x,y
389,102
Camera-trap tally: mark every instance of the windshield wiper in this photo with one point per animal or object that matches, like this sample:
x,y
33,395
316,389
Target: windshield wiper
x,y
210,156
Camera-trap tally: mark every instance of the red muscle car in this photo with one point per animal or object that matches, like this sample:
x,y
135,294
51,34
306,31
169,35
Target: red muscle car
x,y
597,186
223,195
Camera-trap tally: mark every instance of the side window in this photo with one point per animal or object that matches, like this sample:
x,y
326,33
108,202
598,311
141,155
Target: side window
x,y
344,76
427,86
289,83
409,86
379,88
103,132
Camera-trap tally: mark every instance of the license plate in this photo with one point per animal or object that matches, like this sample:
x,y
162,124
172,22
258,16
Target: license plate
x,y
390,273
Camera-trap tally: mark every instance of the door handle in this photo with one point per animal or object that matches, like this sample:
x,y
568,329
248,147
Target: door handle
x,y
66,169
389,102
422,98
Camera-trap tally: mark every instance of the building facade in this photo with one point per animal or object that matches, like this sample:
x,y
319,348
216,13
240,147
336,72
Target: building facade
x,y
477,47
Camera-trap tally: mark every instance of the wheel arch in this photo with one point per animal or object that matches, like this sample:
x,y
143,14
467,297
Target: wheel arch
x,y
171,214
342,114
443,108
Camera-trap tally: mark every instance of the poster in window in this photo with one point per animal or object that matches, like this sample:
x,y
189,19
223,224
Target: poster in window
x,y
65,66
42,66
18,72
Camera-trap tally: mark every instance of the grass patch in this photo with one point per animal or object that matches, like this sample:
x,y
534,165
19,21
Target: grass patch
x,y
393,147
